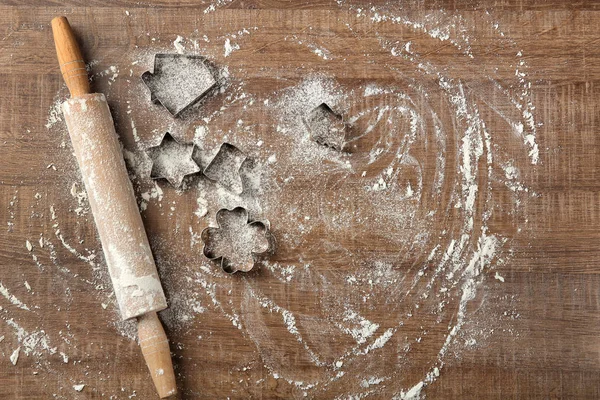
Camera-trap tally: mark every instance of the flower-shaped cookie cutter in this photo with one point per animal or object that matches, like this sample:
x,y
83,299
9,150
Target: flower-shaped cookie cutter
x,y
236,242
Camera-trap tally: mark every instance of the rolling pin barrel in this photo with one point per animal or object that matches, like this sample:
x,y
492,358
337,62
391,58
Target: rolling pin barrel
x,y
112,200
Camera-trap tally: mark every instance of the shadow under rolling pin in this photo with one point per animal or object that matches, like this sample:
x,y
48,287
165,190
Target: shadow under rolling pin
x,y
112,200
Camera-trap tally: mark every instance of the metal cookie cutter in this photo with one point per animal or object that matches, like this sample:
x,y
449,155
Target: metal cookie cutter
x,y
326,127
236,242
172,160
225,167
178,81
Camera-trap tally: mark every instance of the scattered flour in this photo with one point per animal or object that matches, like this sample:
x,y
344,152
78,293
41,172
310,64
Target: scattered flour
x,y
12,299
79,387
14,357
392,121
414,393
499,277
229,48
177,43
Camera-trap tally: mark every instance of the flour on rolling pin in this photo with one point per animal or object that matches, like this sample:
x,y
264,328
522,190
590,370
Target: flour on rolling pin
x,y
128,255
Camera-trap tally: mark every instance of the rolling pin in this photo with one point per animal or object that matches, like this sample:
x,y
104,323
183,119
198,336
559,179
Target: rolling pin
x,y
112,200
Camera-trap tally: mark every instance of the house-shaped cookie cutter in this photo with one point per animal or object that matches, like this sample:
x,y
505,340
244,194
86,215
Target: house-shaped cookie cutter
x,y
178,81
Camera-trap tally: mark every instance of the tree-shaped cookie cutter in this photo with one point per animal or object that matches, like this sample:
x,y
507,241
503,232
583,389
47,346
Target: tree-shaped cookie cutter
x,y
225,167
326,127
236,243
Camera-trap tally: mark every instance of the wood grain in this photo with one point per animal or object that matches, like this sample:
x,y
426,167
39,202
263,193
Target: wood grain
x,y
70,60
537,334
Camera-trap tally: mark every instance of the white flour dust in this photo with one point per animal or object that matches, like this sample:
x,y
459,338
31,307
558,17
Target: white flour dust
x,y
426,146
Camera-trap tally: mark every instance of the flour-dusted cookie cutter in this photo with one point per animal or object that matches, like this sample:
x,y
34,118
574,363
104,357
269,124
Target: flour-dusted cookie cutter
x,y
326,127
236,243
172,160
225,167
178,81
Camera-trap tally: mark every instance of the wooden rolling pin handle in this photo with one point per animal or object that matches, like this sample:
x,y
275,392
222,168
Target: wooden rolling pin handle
x,y
70,59
155,348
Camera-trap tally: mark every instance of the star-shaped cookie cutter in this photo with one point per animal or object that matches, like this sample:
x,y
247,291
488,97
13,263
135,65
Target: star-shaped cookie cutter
x,y
172,160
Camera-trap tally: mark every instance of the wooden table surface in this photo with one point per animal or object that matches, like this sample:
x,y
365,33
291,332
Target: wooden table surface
x,y
451,251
